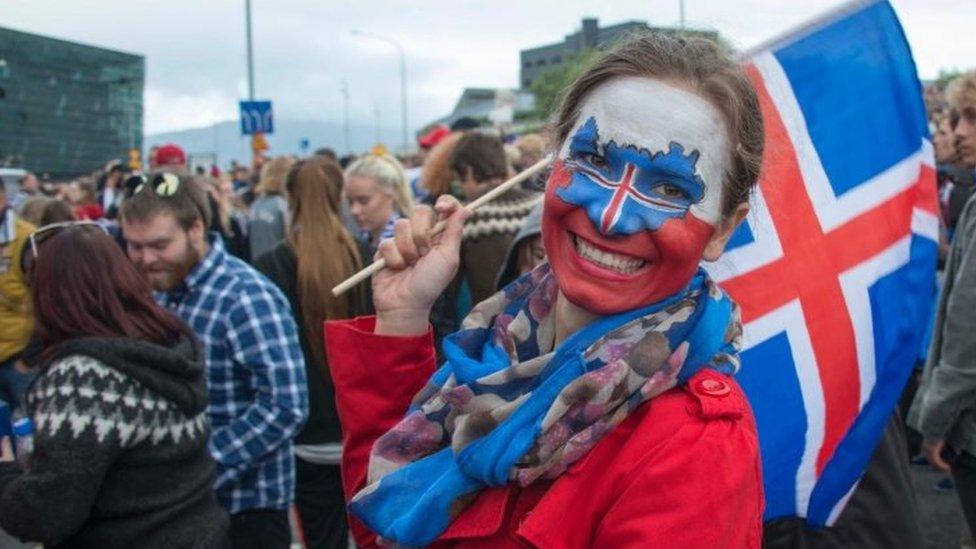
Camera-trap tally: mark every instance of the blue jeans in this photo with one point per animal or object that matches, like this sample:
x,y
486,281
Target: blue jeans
x,y
14,384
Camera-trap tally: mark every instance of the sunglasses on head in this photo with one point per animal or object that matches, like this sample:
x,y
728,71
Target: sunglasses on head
x,y
163,184
38,237
45,232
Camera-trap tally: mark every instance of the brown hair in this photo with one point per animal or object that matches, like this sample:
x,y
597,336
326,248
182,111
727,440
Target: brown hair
x,y
710,71
82,285
89,192
33,208
481,153
273,175
327,253
56,211
187,204
436,175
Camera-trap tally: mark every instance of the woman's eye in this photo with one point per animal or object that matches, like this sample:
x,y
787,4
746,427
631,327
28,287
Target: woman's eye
x,y
595,160
670,191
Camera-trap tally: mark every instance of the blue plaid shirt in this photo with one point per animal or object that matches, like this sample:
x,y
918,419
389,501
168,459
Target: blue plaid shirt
x,y
255,375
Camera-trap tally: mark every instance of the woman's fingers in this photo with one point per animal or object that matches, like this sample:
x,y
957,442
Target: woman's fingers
x,y
447,205
450,239
404,239
421,222
388,251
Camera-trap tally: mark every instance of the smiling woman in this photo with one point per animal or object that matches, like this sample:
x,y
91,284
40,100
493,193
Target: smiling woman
x,y
545,394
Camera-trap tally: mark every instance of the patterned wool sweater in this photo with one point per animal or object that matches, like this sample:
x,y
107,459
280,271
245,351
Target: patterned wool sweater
x,y
487,236
120,454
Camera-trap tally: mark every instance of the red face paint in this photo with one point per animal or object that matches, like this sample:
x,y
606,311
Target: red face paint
x,y
595,271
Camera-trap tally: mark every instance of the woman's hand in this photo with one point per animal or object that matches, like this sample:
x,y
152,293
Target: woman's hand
x,y
6,450
418,267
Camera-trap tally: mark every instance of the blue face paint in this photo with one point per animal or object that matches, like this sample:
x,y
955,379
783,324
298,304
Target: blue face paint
x,y
625,189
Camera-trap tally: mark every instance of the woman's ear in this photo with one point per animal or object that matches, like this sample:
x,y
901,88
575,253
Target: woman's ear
x,y
727,226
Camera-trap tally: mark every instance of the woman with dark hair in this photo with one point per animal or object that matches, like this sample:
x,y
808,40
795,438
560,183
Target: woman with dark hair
x,y
317,254
120,450
591,403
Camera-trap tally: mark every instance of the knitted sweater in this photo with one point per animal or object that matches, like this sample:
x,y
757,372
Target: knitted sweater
x,y
120,451
487,236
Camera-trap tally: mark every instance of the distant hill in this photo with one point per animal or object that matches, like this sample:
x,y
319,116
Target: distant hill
x,y
226,141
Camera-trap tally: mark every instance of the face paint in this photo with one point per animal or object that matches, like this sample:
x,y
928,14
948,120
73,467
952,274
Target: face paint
x,y
635,194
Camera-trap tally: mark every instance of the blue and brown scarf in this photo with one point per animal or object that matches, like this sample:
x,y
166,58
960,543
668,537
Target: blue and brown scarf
x,y
510,406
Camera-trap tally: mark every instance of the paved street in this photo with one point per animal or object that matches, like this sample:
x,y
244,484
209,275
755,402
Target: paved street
x,y
939,512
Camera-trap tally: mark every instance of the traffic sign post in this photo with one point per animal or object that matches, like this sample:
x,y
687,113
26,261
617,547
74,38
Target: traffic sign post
x,y
256,117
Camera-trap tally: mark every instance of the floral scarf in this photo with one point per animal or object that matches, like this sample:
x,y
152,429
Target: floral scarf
x,y
510,406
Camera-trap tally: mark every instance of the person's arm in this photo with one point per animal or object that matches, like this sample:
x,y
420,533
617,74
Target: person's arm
x,y
52,500
262,337
375,378
953,379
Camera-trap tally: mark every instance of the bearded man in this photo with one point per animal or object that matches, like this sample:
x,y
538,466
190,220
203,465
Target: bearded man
x,y
255,367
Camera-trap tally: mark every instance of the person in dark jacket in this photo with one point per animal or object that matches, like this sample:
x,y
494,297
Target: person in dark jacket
x,y
317,254
944,410
269,213
120,450
479,163
525,252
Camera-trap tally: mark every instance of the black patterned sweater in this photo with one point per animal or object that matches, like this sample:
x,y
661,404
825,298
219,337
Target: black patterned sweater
x,y
487,236
120,451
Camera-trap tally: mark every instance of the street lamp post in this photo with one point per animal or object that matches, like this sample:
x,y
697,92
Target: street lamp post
x,y
250,51
403,81
345,114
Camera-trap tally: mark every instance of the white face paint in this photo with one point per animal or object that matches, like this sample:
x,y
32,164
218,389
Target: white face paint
x,y
650,114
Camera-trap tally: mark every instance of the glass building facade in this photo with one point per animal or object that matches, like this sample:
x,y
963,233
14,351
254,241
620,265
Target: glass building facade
x,y
67,108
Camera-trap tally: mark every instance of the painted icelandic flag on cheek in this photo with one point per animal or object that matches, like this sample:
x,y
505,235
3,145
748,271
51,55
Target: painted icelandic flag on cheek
x,y
835,267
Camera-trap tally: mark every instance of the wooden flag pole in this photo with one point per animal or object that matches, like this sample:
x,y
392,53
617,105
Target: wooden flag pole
x,y
379,264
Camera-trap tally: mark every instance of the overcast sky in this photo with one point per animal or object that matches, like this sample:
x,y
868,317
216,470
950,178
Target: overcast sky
x,y
304,50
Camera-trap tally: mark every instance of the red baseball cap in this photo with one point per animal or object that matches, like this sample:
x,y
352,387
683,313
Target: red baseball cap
x,y
434,136
170,154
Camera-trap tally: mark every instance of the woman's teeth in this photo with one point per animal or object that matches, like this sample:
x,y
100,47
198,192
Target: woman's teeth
x,y
620,263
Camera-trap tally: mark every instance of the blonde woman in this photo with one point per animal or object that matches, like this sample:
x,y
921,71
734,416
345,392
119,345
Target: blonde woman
x,y
378,194
269,213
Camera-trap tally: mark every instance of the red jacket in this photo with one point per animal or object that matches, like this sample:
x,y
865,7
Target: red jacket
x,y
682,471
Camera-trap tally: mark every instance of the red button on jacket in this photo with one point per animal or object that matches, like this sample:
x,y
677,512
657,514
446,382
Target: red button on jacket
x,y
682,471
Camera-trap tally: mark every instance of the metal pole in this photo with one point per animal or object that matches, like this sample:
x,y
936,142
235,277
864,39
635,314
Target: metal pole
x,y
376,114
345,114
132,117
403,82
250,52
681,3
403,98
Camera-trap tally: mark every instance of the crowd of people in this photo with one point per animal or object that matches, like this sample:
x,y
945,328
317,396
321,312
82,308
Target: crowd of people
x,y
191,377
196,299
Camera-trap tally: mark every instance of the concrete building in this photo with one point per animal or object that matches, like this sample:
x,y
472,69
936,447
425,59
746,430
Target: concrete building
x,y
478,103
537,60
67,108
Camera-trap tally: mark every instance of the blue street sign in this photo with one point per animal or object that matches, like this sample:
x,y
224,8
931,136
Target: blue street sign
x,y
256,117
304,144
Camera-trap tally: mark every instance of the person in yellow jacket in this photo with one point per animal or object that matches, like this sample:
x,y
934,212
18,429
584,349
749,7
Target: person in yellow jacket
x,y
16,320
